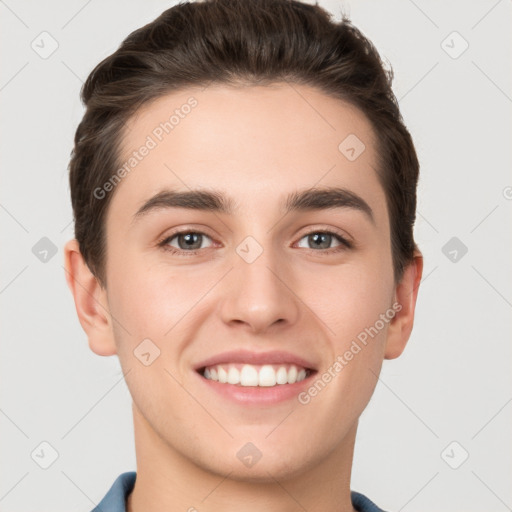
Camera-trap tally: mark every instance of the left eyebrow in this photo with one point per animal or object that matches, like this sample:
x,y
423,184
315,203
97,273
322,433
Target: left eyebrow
x,y
327,198
216,201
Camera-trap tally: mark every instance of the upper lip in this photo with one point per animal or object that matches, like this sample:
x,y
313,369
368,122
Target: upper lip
x,y
246,356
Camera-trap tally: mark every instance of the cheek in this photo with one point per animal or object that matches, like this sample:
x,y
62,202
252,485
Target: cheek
x,y
352,308
151,300
350,298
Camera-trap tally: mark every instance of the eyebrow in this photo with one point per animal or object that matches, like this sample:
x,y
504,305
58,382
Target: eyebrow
x,y
215,201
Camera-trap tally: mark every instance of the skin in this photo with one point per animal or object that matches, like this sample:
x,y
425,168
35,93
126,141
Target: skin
x,y
256,144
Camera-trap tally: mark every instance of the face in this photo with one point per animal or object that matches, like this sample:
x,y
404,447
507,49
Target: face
x,y
266,267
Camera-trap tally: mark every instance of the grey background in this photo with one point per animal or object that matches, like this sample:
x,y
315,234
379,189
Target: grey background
x,y
452,383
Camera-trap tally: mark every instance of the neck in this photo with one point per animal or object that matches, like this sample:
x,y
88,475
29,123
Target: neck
x,y
166,480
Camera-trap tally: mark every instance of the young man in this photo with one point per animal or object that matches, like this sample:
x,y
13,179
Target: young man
x,y
244,193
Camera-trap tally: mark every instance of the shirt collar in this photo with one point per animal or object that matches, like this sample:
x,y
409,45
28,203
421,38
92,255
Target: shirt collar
x,y
115,499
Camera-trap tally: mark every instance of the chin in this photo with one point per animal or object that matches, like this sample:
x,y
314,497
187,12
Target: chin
x,y
245,462
264,471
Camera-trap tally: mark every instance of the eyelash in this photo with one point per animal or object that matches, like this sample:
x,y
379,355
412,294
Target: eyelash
x,y
344,243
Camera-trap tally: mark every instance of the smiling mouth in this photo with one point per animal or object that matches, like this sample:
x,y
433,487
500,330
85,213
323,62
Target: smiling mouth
x,y
245,375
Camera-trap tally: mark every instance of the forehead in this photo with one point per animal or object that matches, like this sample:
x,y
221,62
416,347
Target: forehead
x,y
259,142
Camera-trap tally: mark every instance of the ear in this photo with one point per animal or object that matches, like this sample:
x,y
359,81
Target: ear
x,y
90,301
406,293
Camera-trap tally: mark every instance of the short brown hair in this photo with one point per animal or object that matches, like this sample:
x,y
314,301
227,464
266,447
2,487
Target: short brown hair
x,y
238,42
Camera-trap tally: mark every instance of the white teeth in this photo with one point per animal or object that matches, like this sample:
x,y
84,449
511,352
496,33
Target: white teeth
x,y
292,375
282,376
248,376
266,375
233,376
222,374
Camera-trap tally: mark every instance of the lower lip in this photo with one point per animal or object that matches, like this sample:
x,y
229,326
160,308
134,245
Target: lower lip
x,y
256,395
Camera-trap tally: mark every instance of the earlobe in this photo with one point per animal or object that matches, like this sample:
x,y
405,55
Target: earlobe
x,y
406,293
90,301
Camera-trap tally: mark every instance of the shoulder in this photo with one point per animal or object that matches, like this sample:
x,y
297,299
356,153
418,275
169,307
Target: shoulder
x,y
363,504
115,499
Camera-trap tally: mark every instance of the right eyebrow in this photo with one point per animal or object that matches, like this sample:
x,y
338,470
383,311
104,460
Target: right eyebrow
x,y
213,201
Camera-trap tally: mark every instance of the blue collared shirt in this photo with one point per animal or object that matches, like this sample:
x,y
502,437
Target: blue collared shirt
x,y
115,499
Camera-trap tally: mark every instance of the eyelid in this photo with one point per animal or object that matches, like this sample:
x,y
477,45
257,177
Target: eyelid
x,y
165,239
331,230
345,240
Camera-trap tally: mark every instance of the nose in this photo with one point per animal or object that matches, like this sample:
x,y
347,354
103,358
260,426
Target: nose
x,y
259,296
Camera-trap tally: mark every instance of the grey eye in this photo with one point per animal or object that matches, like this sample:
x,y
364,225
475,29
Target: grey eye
x,y
189,240
320,240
